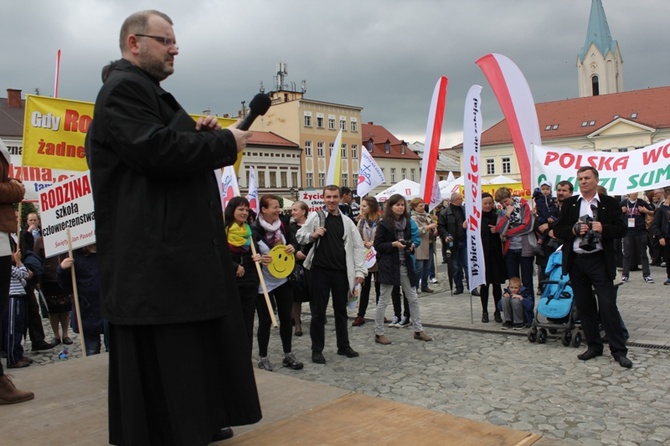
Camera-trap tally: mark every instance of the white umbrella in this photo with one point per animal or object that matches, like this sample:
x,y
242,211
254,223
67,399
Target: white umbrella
x,y
406,188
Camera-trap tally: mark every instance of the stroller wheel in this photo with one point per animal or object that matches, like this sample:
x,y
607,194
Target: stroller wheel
x,y
532,334
566,338
577,339
542,336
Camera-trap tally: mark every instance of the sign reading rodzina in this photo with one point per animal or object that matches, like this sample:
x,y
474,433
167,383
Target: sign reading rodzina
x,y
67,205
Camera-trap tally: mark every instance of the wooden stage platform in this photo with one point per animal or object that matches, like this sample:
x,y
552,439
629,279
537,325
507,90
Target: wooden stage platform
x,y
70,408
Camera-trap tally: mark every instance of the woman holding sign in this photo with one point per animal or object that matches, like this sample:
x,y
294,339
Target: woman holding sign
x,y
367,226
277,246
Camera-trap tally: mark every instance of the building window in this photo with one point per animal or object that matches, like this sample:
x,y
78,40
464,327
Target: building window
x,y
344,151
283,179
343,123
387,147
308,119
392,174
294,179
403,173
319,120
273,180
412,172
402,149
322,179
369,146
354,125
331,122
354,151
261,179
308,148
623,150
345,179
309,179
384,174
319,149
330,150
490,167
595,87
506,165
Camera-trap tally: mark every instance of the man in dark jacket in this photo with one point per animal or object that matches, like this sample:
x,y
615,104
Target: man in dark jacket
x,y
635,211
452,232
588,256
165,267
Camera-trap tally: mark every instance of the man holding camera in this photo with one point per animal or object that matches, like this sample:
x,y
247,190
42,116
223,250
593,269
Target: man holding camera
x,y
588,223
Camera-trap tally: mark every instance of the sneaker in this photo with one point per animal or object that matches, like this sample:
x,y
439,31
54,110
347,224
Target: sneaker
x,y
667,282
428,290
475,292
358,321
404,322
506,325
265,364
624,278
394,322
519,326
290,361
433,280
648,279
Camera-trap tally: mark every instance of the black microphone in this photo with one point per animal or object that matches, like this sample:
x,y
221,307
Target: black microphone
x,y
258,106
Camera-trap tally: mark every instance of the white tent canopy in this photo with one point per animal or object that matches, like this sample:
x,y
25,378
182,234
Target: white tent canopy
x,y
406,188
502,179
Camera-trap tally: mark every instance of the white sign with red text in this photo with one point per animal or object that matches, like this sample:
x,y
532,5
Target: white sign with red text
x,y
67,205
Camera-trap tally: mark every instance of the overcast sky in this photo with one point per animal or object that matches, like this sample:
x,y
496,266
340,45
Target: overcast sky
x,y
382,55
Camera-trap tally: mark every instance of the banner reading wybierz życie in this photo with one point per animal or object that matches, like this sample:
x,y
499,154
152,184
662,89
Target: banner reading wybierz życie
x,y
68,204
620,173
472,128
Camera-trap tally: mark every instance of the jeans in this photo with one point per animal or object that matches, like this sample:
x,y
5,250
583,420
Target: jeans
x,y
409,292
422,272
639,243
458,264
513,262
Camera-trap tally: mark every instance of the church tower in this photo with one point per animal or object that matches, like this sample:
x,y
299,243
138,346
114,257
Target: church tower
x,y
599,63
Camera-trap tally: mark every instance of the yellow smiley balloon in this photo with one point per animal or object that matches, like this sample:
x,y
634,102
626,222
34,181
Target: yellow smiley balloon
x,y
282,262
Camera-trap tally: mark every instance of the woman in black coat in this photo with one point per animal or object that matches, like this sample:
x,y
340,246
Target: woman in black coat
x,y
394,259
238,233
493,258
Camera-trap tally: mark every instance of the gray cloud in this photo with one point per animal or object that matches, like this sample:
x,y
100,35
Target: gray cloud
x,y
382,55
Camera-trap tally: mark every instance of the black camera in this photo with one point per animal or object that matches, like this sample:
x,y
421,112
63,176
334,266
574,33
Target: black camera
x,y
591,238
409,246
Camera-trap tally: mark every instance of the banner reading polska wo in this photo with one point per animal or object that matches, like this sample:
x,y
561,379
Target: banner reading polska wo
x,y
54,131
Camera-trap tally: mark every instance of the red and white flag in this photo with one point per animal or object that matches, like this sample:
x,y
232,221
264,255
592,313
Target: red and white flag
x,y
57,76
252,196
432,145
472,130
370,174
229,187
516,101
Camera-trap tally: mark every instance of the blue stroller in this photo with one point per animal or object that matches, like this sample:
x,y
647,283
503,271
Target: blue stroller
x,y
556,307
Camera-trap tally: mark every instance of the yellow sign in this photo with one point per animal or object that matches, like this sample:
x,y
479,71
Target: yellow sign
x,y
54,131
282,262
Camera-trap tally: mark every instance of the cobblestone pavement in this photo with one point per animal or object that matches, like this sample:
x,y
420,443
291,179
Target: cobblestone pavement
x,y
478,371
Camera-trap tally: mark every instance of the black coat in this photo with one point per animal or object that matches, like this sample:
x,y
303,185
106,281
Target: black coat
x,y
492,247
609,214
388,258
162,248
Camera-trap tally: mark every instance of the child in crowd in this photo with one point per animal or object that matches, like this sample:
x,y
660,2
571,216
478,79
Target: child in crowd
x,y
517,302
546,208
14,317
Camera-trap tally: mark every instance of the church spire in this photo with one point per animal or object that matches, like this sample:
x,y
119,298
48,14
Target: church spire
x,y
599,63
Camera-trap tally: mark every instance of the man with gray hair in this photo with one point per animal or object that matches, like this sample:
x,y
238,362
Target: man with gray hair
x,y
451,227
179,368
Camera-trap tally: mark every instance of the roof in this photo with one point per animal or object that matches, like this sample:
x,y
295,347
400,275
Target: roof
x,y
11,118
270,139
379,137
598,32
581,117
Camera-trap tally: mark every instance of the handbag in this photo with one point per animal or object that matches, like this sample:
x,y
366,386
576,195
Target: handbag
x,y
297,277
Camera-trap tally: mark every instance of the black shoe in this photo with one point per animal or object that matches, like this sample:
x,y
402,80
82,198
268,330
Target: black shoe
x,y
485,317
625,362
507,325
348,352
475,292
223,434
589,354
496,317
457,292
290,361
42,346
317,358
